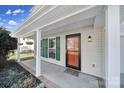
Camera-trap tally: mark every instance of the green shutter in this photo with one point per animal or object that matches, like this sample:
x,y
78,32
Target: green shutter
x,y
58,48
44,48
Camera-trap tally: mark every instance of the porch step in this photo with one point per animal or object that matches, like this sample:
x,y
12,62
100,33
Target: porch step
x,y
48,83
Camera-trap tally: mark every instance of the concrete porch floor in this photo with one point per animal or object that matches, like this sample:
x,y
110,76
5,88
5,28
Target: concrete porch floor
x,y
55,76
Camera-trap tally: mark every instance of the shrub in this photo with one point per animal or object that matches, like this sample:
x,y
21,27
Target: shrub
x,y
7,45
3,62
27,83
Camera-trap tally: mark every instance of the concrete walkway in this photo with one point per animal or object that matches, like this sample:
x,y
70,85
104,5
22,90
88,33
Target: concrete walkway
x,y
57,75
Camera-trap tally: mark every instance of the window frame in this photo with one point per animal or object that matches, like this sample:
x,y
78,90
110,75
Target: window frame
x,y
52,48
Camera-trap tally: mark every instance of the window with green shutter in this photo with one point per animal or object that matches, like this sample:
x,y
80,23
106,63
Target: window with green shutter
x,y
58,48
54,52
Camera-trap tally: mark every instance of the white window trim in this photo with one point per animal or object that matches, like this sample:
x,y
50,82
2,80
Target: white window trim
x,y
52,48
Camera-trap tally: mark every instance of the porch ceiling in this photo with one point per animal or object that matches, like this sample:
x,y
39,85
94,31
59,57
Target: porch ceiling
x,y
61,27
53,20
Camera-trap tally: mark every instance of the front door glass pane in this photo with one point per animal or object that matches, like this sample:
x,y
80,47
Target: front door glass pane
x,y
73,51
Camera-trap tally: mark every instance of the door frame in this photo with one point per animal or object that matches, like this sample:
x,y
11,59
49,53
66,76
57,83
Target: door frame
x,y
79,53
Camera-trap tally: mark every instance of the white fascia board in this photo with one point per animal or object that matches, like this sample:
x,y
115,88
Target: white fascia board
x,y
29,18
17,30
21,27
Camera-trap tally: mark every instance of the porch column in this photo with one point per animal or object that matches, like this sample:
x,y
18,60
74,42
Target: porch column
x,y
35,45
18,50
112,46
38,53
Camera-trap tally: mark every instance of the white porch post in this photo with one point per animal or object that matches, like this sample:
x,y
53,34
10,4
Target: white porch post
x,y
18,50
112,46
35,45
38,53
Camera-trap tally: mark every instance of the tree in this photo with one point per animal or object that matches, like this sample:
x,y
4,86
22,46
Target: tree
x,y
7,43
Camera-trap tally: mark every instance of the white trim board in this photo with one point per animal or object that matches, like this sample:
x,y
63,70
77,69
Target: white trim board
x,y
36,18
30,17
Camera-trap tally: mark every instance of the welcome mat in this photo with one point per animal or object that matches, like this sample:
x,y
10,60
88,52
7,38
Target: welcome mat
x,y
72,72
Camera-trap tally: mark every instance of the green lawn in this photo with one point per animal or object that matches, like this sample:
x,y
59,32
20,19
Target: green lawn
x,y
23,56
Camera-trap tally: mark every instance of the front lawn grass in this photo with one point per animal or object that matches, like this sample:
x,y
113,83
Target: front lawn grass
x,y
23,56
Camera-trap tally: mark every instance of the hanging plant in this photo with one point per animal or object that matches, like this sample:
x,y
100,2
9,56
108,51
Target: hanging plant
x,y
20,43
29,42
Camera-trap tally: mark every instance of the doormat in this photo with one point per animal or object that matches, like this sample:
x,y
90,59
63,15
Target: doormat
x,y
72,72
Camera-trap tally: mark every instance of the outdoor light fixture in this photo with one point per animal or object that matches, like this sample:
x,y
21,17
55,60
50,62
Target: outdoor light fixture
x,y
89,38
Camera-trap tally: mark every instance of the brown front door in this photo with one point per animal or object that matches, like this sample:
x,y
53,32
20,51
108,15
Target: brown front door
x,y
73,51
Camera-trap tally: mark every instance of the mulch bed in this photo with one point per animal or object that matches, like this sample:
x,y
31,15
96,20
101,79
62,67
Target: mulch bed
x,y
14,76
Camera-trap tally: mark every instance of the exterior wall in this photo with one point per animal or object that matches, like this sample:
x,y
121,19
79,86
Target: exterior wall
x,y
122,54
91,52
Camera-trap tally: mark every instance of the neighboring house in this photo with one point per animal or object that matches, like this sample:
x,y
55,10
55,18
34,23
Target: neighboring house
x,y
85,38
26,45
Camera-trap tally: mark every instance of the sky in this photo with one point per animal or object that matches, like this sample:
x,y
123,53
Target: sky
x,y
12,16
